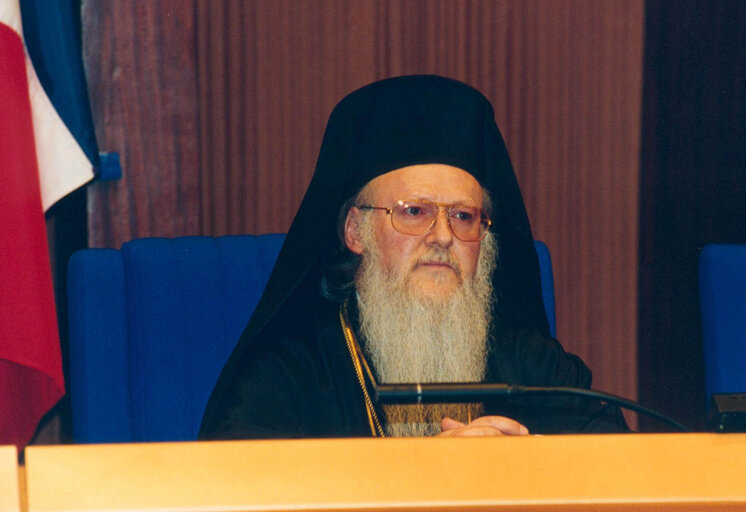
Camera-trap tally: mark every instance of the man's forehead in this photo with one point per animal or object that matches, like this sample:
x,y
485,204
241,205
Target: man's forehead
x,y
439,182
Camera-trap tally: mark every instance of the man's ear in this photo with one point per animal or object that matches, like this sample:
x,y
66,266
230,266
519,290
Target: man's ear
x,y
352,230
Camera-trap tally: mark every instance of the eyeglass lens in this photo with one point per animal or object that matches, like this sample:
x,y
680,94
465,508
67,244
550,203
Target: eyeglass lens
x,y
414,217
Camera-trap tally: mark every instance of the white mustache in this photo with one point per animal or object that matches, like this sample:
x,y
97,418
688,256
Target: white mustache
x,y
439,256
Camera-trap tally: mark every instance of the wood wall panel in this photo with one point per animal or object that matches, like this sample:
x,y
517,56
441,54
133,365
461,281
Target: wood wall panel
x,y
141,62
564,77
218,109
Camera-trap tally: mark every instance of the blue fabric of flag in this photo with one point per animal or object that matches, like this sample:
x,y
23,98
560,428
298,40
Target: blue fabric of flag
x,y
52,33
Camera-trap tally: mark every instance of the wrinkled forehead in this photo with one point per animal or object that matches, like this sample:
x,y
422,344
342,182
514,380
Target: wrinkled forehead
x,y
435,182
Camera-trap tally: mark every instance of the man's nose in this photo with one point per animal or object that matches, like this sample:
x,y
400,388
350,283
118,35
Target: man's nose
x,y
440,233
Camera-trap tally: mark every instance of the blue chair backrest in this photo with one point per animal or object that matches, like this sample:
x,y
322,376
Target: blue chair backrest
x,y
152,324
547,284
722,292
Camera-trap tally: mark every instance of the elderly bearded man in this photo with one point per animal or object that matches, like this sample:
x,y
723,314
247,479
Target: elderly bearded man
x,y
410,260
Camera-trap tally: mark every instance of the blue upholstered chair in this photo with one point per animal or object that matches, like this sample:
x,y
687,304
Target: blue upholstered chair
x,y
722,290
152,324
547,284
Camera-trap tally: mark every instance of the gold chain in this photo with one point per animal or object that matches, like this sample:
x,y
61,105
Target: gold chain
x,y
356,356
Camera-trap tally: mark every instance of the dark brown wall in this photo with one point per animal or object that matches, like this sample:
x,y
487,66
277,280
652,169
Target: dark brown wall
x,y
218,109
141,62
693,185
565,80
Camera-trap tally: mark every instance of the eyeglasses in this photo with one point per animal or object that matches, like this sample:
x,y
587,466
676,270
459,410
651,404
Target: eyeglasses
x,y
417,217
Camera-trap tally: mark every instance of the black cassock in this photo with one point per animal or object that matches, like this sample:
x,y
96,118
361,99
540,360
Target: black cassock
x,y
306,386
291,374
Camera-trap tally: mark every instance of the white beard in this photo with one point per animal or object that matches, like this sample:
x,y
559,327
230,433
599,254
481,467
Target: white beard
x,y
412,337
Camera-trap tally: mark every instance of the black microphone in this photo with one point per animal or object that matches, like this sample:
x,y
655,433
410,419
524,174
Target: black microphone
x,y
466,392
443,393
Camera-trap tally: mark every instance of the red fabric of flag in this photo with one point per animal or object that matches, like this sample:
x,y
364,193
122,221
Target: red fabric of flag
x,y
31,379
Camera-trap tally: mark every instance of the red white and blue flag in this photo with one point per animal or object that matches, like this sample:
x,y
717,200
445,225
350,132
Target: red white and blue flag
x,y
47,149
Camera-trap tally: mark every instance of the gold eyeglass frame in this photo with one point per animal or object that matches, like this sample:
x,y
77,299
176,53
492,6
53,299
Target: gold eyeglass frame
x,y
445,207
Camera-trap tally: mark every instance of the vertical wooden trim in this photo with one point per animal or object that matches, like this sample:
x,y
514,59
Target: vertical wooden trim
x,y
141,65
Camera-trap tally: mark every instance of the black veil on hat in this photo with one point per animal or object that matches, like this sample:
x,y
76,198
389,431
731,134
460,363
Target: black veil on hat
x,y
381,127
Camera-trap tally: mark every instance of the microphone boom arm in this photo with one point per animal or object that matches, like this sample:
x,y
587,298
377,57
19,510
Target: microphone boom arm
x,y
483,392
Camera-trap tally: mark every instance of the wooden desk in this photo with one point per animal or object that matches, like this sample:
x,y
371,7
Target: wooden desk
x,y
10,496
651,472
